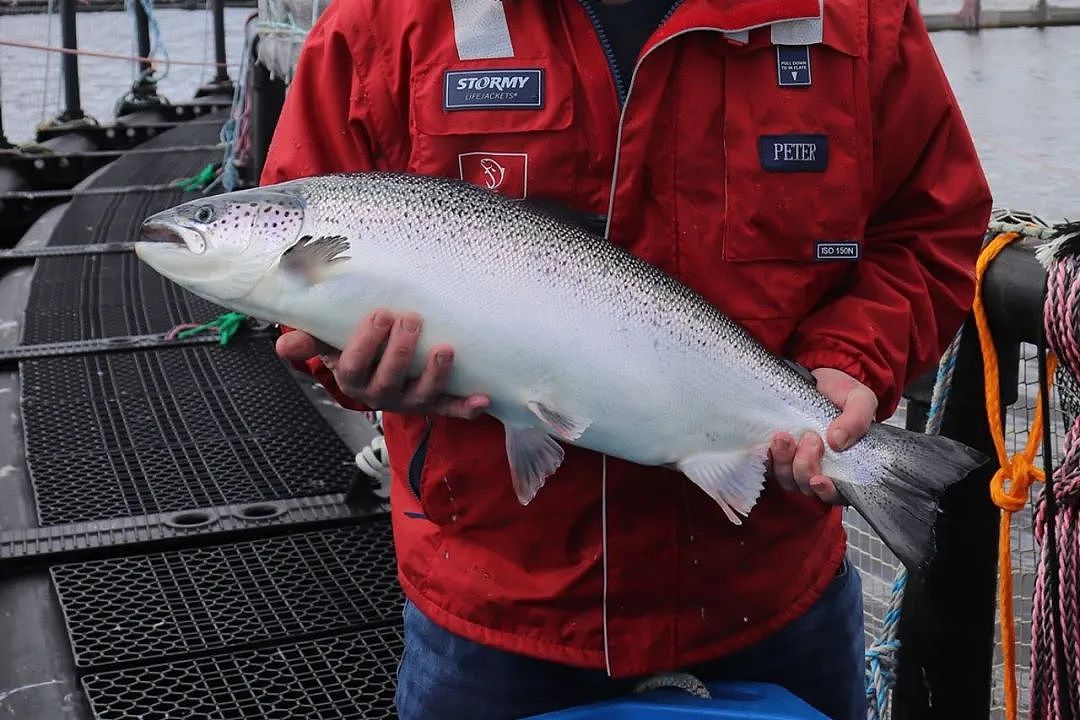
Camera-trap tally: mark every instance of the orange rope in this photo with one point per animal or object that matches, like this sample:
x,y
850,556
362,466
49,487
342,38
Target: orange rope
x,y
1017,470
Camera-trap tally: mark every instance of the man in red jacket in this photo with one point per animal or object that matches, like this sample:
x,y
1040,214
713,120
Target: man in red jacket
x,y
805,167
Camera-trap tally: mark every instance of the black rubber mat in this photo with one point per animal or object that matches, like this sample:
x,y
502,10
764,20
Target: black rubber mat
x,y
96,296
77,298
349,677
171,605
116,435
116,217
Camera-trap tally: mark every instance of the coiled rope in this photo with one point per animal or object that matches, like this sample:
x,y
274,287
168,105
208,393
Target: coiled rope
x,y
1055,631
1011,484
1018,471
374,460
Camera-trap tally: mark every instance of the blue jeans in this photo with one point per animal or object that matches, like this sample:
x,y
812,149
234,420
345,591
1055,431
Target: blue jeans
x,y
818,657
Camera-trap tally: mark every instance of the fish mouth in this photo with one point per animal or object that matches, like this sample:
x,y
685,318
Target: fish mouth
x,y
160,233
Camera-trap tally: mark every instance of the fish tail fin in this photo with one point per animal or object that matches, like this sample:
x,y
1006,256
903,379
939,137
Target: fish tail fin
x,y
901,496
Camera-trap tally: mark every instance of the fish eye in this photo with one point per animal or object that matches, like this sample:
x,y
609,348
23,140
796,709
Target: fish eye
x,y
205,214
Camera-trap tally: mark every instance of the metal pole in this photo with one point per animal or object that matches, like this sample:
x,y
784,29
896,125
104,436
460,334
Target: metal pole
x,y
267,98
946,631
222,75
142,34
70,63
4,144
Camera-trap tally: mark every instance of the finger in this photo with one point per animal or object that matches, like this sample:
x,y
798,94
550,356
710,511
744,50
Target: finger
x,y
298,346
782,452
859,409
388,380
433,379
807,462
823,487
467,408
357,358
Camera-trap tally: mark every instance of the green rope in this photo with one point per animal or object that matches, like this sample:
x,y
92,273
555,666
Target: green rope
x,y
199,181
227,326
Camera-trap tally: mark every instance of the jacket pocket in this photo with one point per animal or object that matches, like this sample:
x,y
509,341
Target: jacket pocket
x,y
504,124
797,172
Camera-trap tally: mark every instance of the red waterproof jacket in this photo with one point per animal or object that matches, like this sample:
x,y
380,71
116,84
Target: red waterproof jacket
x,y
806,170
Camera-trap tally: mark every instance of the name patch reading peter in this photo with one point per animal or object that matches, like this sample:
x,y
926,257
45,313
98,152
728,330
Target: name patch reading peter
x,y
793,153
505,89
837,251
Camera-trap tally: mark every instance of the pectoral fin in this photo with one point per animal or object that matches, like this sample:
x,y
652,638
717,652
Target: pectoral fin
x,y
566,426
534,456
734,479
310,258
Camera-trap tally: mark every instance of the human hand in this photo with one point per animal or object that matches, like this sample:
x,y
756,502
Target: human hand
x,y
798,465
373,367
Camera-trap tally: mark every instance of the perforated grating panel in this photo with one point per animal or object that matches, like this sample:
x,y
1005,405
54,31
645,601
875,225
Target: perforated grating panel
x,y
94,296
130,434
349,677
152,607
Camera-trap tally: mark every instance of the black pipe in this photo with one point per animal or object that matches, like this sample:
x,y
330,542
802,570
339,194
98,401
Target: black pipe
x,y
946,630
4,144
267,98
70,63
222,75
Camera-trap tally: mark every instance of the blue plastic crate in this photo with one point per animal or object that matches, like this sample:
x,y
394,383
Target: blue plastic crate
x,y
730,701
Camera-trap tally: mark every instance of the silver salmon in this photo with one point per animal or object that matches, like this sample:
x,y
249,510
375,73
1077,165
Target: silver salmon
x,y
573,339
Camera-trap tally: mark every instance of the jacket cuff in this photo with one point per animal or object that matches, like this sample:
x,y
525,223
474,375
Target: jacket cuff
x,y
827,353
314,367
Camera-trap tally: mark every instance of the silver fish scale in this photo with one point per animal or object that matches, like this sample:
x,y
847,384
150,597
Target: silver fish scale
x,y
491,231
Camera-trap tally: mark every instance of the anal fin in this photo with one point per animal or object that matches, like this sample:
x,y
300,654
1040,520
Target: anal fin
x,y
733,479
534,456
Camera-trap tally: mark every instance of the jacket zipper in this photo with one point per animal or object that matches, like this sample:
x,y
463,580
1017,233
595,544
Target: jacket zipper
x,y
609,52
416,462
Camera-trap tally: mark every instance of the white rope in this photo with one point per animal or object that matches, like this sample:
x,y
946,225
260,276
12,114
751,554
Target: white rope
x,y
374,460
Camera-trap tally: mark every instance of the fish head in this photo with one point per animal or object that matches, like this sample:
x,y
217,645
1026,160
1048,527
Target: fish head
x,y
220,246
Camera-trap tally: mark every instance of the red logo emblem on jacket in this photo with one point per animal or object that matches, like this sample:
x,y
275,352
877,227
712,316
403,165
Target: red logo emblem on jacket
x,y
505,173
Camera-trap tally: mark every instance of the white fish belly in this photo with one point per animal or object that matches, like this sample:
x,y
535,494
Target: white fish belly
x,y
645,399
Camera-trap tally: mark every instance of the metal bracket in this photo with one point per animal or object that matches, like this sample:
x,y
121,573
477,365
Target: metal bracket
x,y
10,357
158,531
28,255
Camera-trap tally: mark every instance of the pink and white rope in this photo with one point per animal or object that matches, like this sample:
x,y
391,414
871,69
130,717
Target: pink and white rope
x,y
1055,669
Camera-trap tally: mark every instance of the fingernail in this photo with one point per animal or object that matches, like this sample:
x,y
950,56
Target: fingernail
x,y
841,439
410,324
382,321
442,359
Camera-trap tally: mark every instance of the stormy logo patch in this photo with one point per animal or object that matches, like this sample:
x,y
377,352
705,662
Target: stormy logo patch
x,y
500,89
